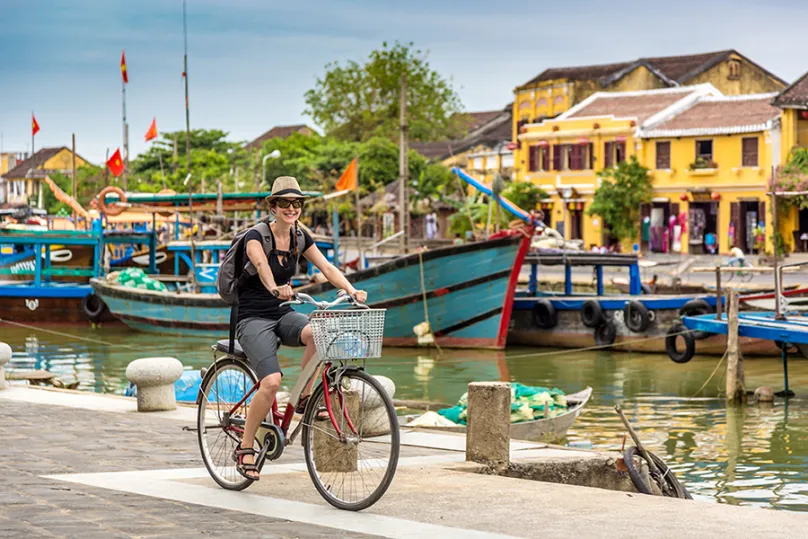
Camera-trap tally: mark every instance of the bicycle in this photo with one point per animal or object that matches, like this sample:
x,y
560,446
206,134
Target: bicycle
x,y
333,448
741,274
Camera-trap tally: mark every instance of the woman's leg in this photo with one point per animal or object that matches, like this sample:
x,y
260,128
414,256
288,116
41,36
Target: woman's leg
x,y
294,330
308,341
258,409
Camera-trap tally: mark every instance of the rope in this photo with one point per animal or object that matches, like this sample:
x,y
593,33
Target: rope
x,y
711,375
77,337
423,295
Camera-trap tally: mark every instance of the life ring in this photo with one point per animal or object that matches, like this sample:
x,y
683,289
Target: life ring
x,y
592,314
61,255
680,356
605,333
695,307
112,209
636,316
143,260
93,306
544,314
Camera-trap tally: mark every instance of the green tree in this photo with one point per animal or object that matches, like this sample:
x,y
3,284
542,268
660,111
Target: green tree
x,y
617,200
524,194
355,101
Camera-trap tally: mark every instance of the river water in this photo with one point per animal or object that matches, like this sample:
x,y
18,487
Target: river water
x,y
756,455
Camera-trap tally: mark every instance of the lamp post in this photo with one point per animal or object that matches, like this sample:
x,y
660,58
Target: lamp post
x,y
273,155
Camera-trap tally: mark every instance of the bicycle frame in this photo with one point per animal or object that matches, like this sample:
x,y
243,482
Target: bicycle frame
x,y
284,420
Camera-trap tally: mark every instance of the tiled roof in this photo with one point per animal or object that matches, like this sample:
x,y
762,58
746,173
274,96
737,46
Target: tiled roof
x,y
496,128
720,115
279,131
34,164
475,120
435,150
676,69
640,105
794,95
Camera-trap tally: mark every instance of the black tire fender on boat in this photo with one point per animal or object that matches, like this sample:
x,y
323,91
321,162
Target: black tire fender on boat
x,y
695,307
544,314
680,356
93,306
592,314
605,333
636,316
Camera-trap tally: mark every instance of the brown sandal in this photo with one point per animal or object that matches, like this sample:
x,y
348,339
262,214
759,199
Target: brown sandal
x,y
241,467
322,412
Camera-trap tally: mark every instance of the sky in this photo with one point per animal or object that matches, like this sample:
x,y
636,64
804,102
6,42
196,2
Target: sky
x,y
251,61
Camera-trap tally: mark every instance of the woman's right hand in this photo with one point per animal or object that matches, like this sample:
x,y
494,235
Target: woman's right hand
x,y
283,293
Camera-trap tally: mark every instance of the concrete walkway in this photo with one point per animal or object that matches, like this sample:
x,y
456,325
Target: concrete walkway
x,y
84,465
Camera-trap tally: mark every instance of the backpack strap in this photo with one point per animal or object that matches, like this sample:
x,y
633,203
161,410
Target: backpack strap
x,y
242,271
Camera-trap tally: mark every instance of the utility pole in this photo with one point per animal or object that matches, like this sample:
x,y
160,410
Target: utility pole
x,y
73,157
403,191
187,111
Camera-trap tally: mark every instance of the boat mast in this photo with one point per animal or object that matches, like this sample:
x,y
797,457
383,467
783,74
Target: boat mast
x,y
403,192
188,148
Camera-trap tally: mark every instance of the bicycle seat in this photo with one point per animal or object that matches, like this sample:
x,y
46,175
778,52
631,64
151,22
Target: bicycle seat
x,y
224,345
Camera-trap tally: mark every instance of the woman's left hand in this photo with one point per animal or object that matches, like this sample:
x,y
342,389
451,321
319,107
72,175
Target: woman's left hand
x,y
361,296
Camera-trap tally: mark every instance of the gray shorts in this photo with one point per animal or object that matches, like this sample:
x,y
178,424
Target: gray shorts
x,y
261,337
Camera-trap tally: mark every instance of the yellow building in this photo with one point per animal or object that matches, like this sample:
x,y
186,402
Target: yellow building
x,y
708,154
556,90
793,222
22,184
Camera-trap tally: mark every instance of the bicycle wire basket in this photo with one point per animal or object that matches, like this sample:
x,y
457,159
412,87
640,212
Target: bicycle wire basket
x,y
348,334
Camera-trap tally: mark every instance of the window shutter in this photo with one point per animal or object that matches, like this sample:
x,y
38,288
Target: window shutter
x,y
608,153
663,155
591,150
735,219
750,152
532,154
557,149
621,152
575,157
545,157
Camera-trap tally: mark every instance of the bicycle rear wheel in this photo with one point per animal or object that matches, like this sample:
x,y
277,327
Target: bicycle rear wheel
x,y
219,429
353,471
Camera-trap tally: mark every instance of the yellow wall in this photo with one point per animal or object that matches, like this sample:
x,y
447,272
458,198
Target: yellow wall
x,y
639,79
751,80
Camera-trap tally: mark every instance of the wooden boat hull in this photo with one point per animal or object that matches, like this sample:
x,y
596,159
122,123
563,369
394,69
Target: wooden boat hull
x,y
21,302
63,256
548,430
571,333
469,293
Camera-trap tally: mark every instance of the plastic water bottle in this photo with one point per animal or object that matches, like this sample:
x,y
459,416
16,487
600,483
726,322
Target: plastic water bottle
x,y
582,444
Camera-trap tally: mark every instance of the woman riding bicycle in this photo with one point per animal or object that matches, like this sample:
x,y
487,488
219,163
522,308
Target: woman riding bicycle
x,y
263,322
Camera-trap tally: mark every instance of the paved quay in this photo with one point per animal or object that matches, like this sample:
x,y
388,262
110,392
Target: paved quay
x,y
85,465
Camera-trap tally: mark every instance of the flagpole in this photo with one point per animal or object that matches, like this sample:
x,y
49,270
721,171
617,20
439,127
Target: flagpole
x,y
358,220
32,134
187,111
125,134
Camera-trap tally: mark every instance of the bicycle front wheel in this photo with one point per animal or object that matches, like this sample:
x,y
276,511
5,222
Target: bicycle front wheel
x,y
220,424
352,470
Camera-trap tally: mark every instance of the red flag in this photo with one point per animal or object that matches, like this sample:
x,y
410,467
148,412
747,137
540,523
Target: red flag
x,y
124,73
152,132
34,125
115,163
348,180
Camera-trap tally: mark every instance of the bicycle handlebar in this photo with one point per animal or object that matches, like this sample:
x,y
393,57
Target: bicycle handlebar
x,y
300,298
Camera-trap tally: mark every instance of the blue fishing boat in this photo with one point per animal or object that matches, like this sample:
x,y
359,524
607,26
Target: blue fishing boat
x,y
465,291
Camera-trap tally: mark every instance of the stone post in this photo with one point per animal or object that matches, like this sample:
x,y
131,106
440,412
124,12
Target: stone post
x,y
331,454
5,357
488,433
154,378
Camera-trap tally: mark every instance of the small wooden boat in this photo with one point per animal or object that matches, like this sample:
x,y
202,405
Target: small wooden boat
x,y
542,430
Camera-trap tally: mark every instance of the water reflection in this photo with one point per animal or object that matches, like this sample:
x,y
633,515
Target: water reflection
x,y
754,455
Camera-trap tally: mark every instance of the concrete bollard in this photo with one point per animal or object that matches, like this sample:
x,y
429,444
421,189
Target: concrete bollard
x,y
488,430
5,357
330,454
154,378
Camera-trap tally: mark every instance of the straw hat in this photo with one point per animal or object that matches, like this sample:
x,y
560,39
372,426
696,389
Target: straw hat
x,y
285,187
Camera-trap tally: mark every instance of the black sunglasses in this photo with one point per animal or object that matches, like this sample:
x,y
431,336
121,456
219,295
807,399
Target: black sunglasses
x,y
285,203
